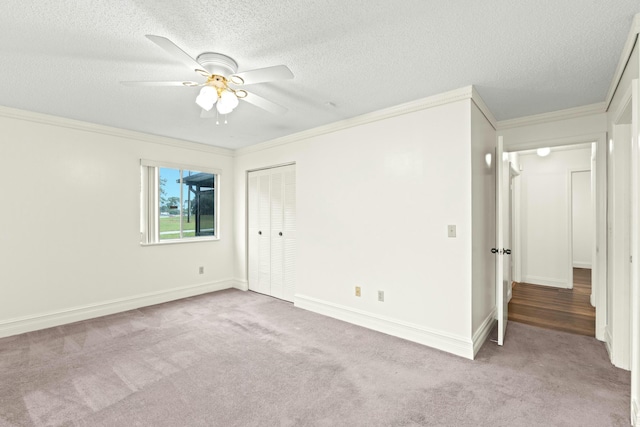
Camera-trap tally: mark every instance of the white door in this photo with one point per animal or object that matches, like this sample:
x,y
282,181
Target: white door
x,y
289,234
501,288
253,238
275,235
263,263
272,231
259,223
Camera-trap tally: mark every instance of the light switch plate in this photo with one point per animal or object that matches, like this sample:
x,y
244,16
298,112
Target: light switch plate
x,y
451,230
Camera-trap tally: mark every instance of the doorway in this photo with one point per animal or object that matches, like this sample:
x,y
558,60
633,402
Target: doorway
x,y
552,233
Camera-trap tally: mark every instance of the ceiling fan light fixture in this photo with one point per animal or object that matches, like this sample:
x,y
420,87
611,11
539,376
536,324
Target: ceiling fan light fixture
x,y
228,101
207,97
220,71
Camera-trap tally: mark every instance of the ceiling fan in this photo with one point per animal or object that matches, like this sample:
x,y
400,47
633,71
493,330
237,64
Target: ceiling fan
x,y
221,87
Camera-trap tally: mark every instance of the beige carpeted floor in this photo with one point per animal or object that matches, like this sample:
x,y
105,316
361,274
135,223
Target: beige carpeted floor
x,y
237,358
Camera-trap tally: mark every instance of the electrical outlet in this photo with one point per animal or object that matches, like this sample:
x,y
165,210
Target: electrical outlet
x,y
357,291
381,296
201,270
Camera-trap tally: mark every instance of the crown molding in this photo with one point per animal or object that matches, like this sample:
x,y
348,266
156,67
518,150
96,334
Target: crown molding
x,y
569,113
463,93
624,59
475,96
467,92
14,113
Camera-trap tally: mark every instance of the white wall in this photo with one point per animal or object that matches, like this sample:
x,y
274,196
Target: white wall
x,y
545,215
582,219
374,202
483,142
71,223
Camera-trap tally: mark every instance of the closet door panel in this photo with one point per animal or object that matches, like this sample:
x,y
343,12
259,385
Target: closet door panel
x,y
264,234
289,233
276,234
253,237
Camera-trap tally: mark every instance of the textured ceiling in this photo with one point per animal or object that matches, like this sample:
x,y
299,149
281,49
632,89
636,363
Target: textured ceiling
x,y
66,58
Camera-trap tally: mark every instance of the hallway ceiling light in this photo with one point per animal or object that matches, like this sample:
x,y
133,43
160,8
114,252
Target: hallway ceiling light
x,y
543,152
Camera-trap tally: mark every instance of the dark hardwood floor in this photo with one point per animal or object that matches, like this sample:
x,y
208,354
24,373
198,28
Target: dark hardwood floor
x,y
566,310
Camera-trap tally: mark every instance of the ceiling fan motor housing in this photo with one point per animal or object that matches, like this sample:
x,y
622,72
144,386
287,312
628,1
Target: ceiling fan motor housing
x,y
217,63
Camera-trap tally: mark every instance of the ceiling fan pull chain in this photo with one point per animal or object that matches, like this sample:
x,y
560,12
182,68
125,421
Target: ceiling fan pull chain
x,y
217,117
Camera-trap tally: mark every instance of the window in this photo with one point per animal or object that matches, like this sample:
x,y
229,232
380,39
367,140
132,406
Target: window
x,y
178,203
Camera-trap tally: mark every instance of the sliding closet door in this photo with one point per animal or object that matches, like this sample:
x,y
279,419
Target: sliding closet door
x,y
272,231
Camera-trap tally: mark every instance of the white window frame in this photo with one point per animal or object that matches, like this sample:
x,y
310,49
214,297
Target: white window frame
x,y
150,202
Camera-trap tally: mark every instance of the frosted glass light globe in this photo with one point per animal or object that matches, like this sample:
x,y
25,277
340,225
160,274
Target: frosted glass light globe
x,y
207,97
228,101
543,152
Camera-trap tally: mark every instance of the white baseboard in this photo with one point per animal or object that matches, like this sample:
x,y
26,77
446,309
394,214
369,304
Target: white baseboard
x,y
618,359
635,413
608,342
577,264
444,341
481,335
242,285
75,314
601,333
547,281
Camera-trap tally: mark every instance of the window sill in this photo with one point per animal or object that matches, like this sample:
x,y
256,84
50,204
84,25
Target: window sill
x,y
181,241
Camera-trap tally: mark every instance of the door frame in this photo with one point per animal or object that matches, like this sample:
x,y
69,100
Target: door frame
x,y
621,352
635,253
630,106
599,268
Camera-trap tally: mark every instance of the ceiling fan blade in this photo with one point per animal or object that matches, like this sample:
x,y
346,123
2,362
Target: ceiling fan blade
x,y
261,75
265,104
143,83
176,52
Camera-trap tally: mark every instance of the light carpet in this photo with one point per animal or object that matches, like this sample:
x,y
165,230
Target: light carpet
x,y
235,358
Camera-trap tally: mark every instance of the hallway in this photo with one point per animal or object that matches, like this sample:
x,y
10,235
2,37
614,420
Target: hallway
x,y
567,310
